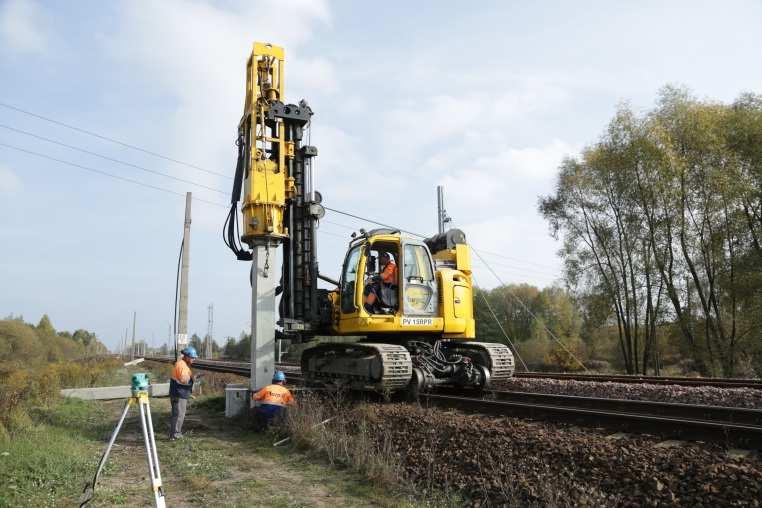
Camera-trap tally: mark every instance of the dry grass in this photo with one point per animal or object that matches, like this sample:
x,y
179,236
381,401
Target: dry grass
x,y
21,387
347,436
342,441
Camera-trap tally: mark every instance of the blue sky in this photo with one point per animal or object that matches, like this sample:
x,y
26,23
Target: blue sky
x,y
483,98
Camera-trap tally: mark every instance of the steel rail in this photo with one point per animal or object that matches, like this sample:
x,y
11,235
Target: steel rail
x,y
728,433
741,416
626,378
239,368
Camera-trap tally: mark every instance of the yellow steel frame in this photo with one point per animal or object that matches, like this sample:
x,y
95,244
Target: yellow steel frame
x,y
267,183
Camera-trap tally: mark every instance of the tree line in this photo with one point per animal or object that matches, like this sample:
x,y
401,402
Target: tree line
x,y
661,222
28,344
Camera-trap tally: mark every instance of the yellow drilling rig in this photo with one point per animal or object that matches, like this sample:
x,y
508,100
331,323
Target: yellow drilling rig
x,y
411,300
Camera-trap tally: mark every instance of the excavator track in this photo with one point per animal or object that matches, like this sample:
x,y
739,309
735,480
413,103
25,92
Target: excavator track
x,y
494,356
361,366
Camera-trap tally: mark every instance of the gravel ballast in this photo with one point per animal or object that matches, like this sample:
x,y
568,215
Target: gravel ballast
x,y
509,461
708,395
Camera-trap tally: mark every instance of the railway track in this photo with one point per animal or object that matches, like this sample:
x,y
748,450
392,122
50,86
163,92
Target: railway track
x,y
659,380
239,368
737,427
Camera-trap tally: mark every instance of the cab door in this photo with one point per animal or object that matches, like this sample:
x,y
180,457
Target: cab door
x,y
419,285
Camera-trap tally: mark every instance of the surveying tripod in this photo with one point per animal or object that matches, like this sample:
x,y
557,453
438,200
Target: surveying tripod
x,y
140,398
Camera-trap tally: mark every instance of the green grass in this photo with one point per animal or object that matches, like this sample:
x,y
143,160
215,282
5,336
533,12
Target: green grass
x,y
48,462
219,463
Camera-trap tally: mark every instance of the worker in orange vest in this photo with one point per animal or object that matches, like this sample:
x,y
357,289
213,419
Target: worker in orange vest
x,y
180,390
271,401
386,279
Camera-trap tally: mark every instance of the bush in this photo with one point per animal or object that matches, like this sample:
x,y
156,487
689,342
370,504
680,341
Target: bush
x,y
565,358
21,388
534,352
345,440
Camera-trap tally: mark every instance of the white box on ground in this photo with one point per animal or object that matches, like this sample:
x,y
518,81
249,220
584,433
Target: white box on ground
x,y
236,400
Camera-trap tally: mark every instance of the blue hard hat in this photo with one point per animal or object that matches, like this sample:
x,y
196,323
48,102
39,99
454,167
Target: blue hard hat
x,y
279,376
190,351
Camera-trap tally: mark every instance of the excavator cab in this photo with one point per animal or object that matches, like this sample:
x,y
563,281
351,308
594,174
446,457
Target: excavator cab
x,y
379,297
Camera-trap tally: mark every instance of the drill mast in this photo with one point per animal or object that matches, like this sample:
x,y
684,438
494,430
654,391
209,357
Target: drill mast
x,y
278,205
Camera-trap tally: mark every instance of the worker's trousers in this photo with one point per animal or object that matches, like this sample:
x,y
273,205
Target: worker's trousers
x,y
178,416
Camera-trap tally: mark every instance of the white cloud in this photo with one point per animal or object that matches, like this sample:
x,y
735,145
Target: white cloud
x,y
9,182
21,26
511,175
526,252
195,53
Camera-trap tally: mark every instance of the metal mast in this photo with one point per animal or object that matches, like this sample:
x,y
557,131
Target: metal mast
x,y
132,349
442,218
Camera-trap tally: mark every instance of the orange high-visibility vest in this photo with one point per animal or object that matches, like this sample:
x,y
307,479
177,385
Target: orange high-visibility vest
x,y
274,394
181,373
389,274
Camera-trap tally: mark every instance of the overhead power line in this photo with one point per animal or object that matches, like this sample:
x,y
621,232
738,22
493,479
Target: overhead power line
x,y
529,311
105,157
191,182
105,173
500,325
511,258
372,221
112,140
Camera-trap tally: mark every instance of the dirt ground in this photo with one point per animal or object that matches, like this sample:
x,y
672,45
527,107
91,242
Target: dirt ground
x,y
220,463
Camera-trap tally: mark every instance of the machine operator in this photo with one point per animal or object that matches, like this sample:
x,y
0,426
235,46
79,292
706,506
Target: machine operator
x,y
387,280
271,401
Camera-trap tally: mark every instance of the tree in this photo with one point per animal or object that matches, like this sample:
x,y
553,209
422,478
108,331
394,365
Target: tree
x,y
531,318
663,216
45,326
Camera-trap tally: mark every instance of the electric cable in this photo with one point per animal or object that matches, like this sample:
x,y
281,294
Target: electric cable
x,y
105,173
191,182
112,140
500,325
511,258
534,316
372,221
177,290
105,157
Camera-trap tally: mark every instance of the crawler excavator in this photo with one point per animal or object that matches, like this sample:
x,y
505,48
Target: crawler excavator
x,y
420,330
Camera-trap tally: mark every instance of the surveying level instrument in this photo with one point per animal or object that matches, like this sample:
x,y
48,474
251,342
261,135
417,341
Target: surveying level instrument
x,y
140,383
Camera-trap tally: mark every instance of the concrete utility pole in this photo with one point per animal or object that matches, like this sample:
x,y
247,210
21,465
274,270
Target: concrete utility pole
x,y
442,218
209,332
263,313
132,349
182,326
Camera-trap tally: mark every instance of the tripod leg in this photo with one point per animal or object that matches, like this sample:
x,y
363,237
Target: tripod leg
x,y
87,494
153,459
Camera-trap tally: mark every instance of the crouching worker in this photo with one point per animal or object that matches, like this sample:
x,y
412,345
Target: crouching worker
x,y
271,402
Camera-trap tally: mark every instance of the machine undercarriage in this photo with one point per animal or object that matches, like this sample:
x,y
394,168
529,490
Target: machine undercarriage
x,y
414,364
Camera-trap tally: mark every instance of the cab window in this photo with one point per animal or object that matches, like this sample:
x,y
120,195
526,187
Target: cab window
x,y
349,280
417,264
